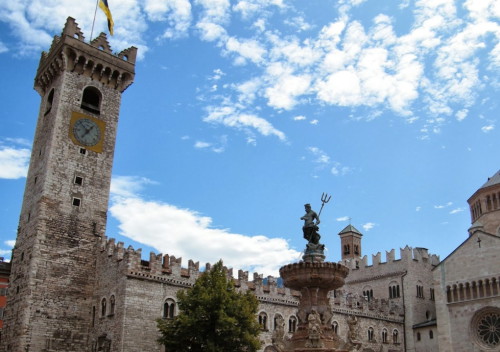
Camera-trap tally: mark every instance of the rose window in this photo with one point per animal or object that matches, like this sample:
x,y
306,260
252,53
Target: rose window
x,y
486,325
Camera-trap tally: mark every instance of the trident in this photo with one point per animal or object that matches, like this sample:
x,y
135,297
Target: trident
x,y
324,199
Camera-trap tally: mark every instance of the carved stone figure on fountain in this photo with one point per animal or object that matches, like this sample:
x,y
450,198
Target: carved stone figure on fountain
x,y
314,330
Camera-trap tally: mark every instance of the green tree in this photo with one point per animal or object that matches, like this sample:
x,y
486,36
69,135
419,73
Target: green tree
x,y
213,317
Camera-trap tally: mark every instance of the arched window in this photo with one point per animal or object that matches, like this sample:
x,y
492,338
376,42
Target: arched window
x,y
356,249
368,293
103,307
263,321
384,335
292,324
50,99
394,290
335,328
395,335
418,336
169,309
370,334
347,249
91,100
112,305
431,334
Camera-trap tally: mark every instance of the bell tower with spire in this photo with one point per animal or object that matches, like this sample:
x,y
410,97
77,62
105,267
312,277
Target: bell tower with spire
x,y
350,242
65,203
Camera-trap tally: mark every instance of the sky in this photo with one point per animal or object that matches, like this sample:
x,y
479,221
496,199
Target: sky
x,y
243,111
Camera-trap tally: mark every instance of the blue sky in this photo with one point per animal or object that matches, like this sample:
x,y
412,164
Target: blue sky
x,y
242,111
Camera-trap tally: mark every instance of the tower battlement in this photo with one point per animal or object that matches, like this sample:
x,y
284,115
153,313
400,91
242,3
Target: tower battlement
x,y
407,255
70,52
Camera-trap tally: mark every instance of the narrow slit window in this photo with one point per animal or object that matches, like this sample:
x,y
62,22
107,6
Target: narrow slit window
x,y
50,99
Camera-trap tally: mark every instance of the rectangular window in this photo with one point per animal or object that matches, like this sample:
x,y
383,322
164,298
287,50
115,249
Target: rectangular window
x,y
78,180
76,202
83,151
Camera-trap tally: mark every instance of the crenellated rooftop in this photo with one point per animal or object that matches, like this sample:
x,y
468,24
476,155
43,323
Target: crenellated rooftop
x,y
70,52
407,254
168,268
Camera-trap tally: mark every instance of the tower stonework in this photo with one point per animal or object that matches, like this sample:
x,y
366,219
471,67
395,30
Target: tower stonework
x,y
63,216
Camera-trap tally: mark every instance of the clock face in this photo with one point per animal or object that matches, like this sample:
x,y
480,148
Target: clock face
x,y
86,132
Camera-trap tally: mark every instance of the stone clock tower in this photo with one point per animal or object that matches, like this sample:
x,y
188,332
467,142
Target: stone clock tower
x,y
63,215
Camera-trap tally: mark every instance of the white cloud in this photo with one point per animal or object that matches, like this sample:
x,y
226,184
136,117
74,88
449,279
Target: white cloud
x,y
36,22
283,94
418,208
488,128
219,148
338,169
249,8
216,11
14,162
320,157
368,226
202,145
128,186
210,31
177,14
3,48
247,49
441,206
343,218
462,114
299,23
10,243
299,118
231,117
457,210
186,233
314,122
248,90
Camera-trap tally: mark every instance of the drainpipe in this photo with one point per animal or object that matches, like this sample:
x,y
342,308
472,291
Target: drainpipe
x,y
404,306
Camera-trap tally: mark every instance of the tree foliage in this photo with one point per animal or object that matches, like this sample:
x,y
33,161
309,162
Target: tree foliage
x,y
213,317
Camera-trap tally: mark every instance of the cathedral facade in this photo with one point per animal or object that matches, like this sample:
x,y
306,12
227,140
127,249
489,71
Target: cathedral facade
x,y
73,289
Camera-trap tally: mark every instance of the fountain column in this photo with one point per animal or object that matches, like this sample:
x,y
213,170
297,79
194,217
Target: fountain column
x,y
314,278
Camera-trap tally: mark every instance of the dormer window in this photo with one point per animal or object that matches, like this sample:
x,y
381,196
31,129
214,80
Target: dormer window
x,y
91,100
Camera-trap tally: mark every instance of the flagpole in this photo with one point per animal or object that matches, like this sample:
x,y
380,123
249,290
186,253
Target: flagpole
x,y
95,14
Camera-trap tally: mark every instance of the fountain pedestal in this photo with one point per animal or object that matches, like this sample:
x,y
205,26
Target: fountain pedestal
x,y
314,279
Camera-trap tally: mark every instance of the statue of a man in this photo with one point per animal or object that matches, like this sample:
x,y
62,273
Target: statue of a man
x,y
310,227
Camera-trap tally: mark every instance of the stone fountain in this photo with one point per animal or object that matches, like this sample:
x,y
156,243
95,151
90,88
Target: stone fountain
x,y
315,278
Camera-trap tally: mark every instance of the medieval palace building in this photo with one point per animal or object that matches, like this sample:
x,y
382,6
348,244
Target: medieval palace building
x,y
73,289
